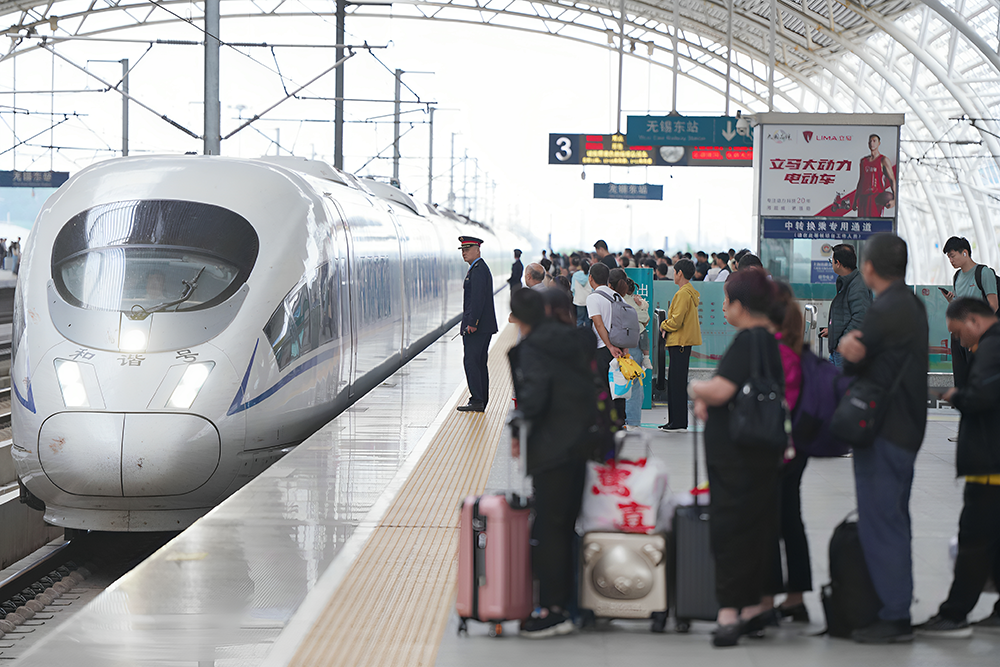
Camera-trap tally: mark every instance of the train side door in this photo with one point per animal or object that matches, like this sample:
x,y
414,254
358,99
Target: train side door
x,y
344,267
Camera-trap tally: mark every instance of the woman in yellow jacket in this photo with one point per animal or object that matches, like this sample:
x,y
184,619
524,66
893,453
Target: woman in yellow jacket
x,y
682,331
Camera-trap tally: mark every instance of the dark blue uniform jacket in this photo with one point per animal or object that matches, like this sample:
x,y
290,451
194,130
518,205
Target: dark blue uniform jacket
x,y
478,303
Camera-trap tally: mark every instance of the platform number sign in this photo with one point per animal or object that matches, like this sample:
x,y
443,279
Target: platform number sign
x,y
564,149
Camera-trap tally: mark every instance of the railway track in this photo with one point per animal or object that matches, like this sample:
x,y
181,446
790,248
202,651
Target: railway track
x,y
49,588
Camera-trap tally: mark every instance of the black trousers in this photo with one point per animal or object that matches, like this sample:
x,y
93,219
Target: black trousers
x,y
558,496
978,549
477,348
797,577
742,529
959,362
677,381
604,358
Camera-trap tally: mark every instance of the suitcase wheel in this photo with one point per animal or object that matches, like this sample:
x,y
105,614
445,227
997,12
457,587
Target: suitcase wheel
x,y
682,625
496,630
463,626
659,621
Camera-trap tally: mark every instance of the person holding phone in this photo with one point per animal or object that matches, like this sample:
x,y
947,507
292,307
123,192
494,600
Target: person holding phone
x,y
965,284
853,299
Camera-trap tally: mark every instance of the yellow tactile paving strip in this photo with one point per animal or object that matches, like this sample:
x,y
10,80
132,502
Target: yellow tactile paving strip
x,y
393,604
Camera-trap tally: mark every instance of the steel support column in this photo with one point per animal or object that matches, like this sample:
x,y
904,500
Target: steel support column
x,y
213,109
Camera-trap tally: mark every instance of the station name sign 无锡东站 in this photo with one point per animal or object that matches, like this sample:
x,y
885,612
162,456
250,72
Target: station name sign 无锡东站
x,y
646,191
615,150
33,179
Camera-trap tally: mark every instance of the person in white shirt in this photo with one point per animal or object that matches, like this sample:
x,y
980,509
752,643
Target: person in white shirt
x,y
599,310
580,284
722,262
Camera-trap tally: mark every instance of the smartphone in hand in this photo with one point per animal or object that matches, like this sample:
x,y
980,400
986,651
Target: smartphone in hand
x,y
944,292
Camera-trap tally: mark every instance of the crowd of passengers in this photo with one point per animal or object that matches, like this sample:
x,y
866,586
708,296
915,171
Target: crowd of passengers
x,y
560,371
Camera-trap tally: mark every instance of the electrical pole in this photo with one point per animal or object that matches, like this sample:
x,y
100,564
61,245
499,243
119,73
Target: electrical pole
x,y
338,105
125,107
395,131
451,176
430,159
213,109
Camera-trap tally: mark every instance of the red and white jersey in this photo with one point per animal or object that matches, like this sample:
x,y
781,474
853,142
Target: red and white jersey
x,y
872,175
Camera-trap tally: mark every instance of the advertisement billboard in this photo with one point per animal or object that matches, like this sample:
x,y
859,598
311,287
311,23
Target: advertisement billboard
x,y
829,171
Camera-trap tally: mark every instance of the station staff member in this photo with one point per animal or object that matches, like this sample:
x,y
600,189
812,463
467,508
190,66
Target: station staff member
x,y
479,323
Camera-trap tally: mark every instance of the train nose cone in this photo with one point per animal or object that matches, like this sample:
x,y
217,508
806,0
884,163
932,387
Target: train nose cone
x,y
137,454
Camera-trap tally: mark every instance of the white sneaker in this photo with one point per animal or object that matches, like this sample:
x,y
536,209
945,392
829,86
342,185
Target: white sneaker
x,y
953,439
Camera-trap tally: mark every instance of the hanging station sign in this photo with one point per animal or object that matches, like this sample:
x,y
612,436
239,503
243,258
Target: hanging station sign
x,y
614,150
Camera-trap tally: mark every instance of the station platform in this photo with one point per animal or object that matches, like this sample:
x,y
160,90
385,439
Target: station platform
x,y
345,553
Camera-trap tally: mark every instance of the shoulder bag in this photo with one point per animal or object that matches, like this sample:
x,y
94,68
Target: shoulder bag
x,y
859,413
757,414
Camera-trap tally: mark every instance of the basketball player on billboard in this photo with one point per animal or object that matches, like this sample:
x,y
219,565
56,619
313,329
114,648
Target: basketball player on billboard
x,y
876,183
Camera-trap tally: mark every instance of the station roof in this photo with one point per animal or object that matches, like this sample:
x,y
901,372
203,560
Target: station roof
x,y
934,60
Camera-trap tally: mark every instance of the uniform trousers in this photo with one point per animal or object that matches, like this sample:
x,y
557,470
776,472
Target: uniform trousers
x,y
978,549
477,349
742,529
883,477
558,496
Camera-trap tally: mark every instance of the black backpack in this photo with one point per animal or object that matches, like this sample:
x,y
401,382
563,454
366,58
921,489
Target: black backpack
x,y
979,283
849,600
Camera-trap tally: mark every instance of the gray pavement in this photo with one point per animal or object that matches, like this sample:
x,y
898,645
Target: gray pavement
x,y
828,496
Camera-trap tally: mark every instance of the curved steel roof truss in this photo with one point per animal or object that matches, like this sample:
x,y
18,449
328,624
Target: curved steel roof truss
x,y
936,59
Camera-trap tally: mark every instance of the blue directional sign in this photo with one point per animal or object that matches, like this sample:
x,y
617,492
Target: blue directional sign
x,y
841,229
627,191
687,131
33,179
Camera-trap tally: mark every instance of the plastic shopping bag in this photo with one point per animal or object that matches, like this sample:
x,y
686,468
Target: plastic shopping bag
x,y
623,496
620,387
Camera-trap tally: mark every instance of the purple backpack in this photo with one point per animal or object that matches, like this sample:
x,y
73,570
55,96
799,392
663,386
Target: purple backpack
x,y
822,387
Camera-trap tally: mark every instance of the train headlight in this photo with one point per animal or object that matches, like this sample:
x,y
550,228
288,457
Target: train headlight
x,y
189,385
70,378
133,341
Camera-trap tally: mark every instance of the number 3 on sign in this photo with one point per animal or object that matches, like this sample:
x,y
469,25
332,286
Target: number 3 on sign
x,y
565,151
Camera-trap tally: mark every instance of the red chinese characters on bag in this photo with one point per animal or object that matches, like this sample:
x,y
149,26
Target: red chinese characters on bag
x,y
611,480
634,518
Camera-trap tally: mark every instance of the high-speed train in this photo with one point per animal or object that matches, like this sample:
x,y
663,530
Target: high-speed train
x,y
182,322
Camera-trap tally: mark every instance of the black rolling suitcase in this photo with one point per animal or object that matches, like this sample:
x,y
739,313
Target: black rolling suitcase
x,y
693,571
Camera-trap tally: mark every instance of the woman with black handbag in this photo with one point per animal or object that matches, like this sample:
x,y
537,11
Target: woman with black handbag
x,y
745,439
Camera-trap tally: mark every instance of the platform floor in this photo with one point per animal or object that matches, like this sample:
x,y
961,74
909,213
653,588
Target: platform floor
x,y
827,497
265,579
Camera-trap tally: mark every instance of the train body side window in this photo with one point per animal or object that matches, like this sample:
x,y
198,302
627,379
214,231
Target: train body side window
x,y
325,288
289,331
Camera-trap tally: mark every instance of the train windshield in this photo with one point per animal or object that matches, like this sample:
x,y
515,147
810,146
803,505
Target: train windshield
x,y
153,256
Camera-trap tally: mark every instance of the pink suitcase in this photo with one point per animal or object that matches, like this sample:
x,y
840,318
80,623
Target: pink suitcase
x,y
494,562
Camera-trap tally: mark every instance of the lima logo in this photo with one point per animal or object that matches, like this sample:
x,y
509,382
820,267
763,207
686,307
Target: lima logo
x,y
779,136
807,135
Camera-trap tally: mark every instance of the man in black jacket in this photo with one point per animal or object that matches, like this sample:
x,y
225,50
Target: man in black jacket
x,y
479,323
977,458
851,304
555,391
891,343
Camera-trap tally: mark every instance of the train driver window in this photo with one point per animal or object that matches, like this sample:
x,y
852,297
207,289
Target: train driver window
x,y
149,256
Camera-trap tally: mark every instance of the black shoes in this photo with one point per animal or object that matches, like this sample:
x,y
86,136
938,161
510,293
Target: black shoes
x,y
727,635
945,628
884,632
670,428
798,613
472,407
